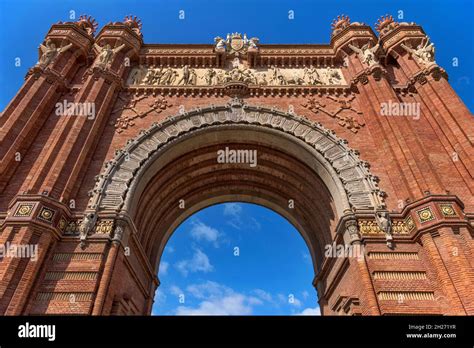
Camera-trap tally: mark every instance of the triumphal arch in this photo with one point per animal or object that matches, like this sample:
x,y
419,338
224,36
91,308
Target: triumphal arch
x,y
112,142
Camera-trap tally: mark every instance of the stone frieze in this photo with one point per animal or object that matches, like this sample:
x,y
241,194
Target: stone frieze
x,y
268,76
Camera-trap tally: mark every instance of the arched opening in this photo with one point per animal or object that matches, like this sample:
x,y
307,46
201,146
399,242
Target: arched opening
x,y
292,166
235,259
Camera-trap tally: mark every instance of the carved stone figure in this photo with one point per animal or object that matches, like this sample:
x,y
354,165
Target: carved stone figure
x,y
210,76
185,78
277,78
253,43
352,230
221,77
248,76
295,79
273,76
262,79
282,80
173,77
148,79
157,75
87,225
192,77
237,43
137,75
332,76
424,53
165,78
119,231
311,76
236,74
50,52
384,223
366,54
106,54
220,43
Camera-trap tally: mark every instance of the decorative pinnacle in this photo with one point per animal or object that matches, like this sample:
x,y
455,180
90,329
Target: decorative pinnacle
x,y
385,23
341,22
87,23
134,23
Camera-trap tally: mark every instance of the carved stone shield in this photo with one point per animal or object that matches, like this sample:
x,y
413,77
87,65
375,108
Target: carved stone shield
x,y
237,43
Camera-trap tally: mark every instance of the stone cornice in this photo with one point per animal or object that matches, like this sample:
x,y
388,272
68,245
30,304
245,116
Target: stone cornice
x,y
50,75
391,41
112,32
111,190
108,75
72,33
251,90
425,215
39,210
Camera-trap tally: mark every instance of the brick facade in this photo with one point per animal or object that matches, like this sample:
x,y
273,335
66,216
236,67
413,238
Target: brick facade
x,y
99,196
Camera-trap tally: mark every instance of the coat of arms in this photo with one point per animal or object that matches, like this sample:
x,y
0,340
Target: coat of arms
x,y
235,43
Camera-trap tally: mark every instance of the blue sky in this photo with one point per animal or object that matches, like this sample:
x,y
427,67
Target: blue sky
x,y
236,258
447,22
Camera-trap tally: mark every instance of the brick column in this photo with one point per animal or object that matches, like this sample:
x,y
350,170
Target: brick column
x,y
106,278
102,83
442,108
457,265
17,275
28,111
371,307
445,283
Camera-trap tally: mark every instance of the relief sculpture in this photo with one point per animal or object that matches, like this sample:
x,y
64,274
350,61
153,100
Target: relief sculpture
x,y
271,76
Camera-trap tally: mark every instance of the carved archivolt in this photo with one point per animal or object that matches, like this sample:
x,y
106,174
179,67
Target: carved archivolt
x,y
359,188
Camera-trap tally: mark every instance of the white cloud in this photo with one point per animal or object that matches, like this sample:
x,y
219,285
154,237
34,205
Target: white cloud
x,y
232,209
311,311
255,225
263,295
282,298
218,299
289,299
254,300
160,299
201,231
208,289
295,302
237,219
198,263
174,290
236,304
164,268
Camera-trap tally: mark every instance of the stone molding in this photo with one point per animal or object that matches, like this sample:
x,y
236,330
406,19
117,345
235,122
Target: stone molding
x,y
111,192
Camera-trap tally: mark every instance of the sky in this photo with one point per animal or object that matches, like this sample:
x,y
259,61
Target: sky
x,y
273,273
447,22
236,259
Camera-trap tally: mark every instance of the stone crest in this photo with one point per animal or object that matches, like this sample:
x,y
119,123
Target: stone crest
x,y
235,43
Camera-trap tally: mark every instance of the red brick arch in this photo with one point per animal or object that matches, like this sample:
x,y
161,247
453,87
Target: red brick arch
x,y
311,158
100,254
